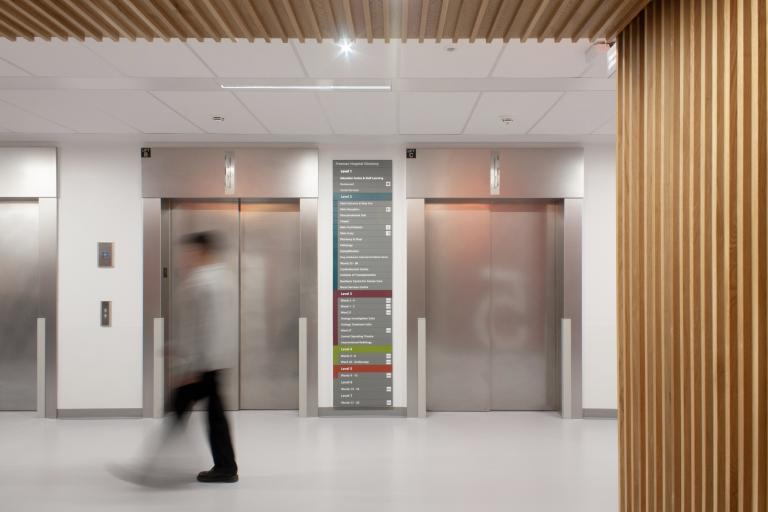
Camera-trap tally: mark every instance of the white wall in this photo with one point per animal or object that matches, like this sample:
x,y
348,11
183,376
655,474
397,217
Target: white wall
x,y
100,201
599,279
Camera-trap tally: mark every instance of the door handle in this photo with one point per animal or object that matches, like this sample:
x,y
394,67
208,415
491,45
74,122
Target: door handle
x,y
303,367
40,367
422,366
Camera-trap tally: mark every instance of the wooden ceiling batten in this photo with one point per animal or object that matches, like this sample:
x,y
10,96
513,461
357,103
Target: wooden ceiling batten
x,y
372,20
478,20
441,22
294,21
254,18
183,25
59,25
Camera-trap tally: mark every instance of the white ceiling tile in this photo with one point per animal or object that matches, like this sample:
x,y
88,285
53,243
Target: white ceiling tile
x,y
200,106
545,59
525,109
71,108
245,59
17,120
8,69
55,58
287,112
366,60
360,113
142,111
155,58
435,112
609,128
578,113
434,60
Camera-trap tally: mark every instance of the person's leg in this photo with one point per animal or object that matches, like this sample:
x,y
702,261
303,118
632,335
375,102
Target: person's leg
x,y
218,428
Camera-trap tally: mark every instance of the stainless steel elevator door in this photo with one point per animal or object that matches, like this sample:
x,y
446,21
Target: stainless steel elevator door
x,y
458,306
223,217
19,304
269,277
524,369
491,306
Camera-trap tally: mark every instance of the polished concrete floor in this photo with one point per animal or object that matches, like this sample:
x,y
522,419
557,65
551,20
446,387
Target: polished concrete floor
x,y
527,462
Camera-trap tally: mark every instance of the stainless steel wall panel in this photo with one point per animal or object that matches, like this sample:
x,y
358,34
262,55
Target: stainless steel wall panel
x,y
259,173
28,172
153,281
19,304
524,362
448,173
542,173
458,305
525,173
308,295
572,293
223,217
416,274
269,343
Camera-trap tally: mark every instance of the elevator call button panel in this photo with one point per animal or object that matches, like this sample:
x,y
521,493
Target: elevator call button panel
x,y
105,254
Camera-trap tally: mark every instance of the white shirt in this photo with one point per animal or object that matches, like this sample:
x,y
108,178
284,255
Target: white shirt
x,y
206,337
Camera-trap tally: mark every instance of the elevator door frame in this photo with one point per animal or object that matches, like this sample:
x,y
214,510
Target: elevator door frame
x,y
245,174
488,175
31,174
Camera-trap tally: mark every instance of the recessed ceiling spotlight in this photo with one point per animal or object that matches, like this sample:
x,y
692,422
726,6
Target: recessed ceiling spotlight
x,y
345,47
507,120
217,118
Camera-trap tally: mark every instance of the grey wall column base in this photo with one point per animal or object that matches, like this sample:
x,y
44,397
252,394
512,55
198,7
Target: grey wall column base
x,y
600,413
329,412
98,413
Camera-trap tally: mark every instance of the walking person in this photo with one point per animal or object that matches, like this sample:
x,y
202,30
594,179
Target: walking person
x,y
203,348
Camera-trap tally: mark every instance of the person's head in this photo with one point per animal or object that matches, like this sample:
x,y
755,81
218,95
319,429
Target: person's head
x,y
200,248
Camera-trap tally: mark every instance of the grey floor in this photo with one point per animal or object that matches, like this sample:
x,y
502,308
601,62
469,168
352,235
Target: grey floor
x,y
528,462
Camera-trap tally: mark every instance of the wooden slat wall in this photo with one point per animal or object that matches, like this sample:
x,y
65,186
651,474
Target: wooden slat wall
x,y
475,20
693,257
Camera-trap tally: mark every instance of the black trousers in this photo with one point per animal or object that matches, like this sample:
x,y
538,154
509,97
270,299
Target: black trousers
x,y
218,429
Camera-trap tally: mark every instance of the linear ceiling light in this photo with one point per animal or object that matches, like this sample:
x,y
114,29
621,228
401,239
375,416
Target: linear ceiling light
x,y
386,87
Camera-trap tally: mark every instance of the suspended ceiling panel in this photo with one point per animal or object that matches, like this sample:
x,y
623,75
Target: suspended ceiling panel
x,y
522,110
244,59
200,107
287,112
448,60
435,112
55,58
578,112
360,113
145,59
316,19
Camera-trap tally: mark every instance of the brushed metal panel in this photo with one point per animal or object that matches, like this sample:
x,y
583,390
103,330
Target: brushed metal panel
x,y
200,173
28,172
308,295
152,290
223,217
19,304
458,303
572,209
524,173
416,298
47,268
269,346
448,173
542,173
523,335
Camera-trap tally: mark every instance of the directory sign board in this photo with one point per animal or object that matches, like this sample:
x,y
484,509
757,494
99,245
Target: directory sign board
x,y
362,277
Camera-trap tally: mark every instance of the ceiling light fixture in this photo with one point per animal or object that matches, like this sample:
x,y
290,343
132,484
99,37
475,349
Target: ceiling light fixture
x,y
383,87
345,45
450,49
507,120
217,118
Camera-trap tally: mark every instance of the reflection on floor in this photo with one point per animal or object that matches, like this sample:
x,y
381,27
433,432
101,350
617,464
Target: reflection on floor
x,y
527,462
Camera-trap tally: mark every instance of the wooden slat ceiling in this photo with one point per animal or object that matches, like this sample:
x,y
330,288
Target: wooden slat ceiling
x,y
316,19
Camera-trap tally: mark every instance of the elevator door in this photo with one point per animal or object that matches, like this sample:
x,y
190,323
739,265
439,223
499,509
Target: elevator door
x,y
222,217
269,277
491,307
18,305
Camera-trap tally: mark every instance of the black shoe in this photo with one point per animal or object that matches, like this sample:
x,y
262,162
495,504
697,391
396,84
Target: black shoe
x,y
216,475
